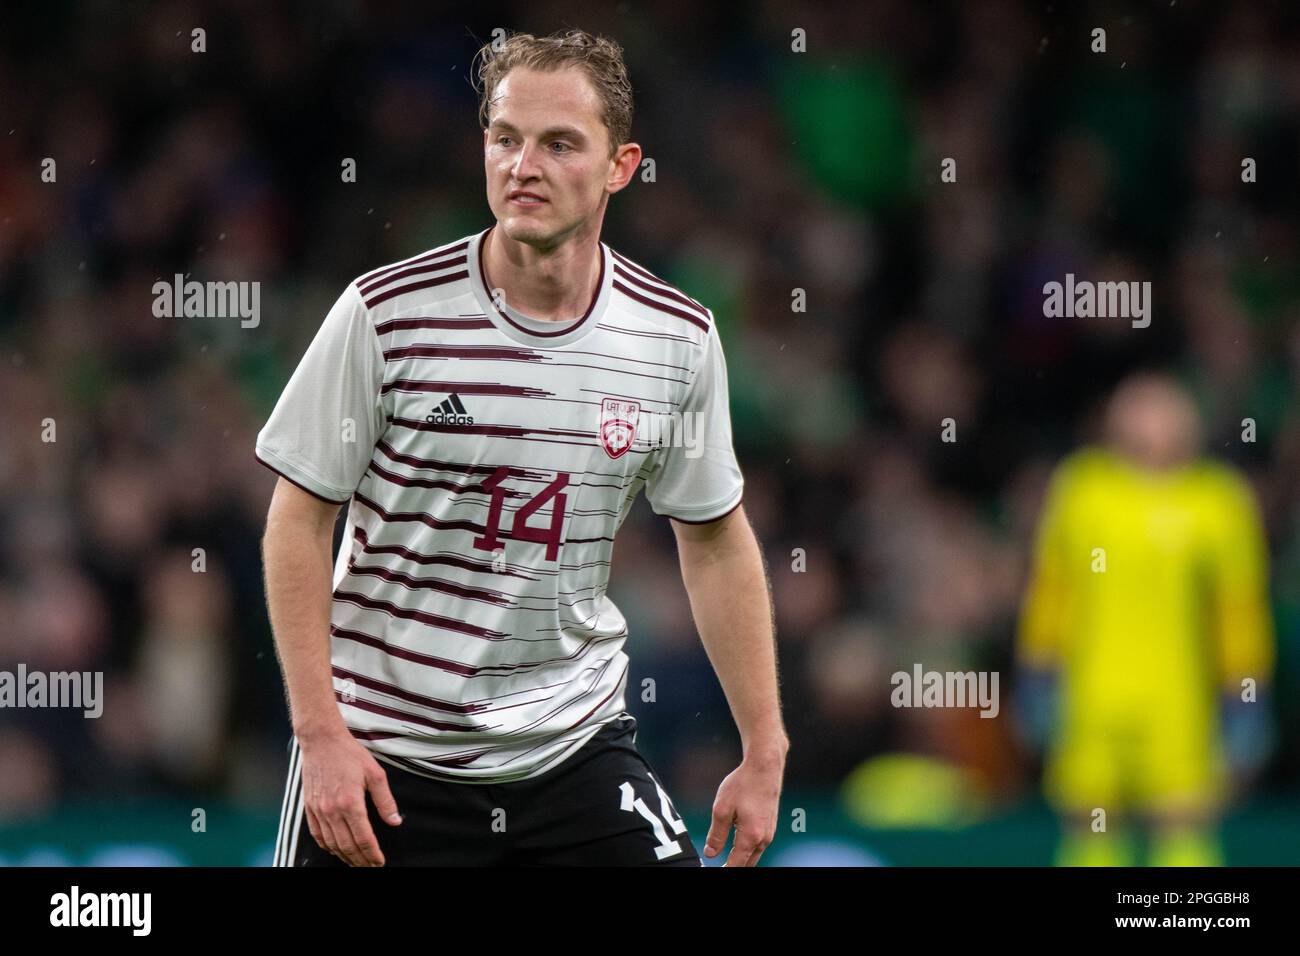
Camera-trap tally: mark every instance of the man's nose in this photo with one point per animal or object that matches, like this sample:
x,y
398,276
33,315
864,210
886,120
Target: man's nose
x,y
526,166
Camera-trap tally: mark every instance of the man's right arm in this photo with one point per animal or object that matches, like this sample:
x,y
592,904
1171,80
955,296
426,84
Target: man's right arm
x,y
296,555
336,769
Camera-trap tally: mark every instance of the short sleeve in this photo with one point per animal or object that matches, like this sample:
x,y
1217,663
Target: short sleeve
x,y
703,482
323,430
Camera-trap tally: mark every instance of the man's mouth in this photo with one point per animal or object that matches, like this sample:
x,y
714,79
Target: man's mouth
x,y
524,198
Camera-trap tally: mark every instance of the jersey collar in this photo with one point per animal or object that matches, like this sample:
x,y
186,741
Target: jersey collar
x,y
528,330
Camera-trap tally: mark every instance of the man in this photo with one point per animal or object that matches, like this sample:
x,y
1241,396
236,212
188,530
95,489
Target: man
x,y
1145,638
490,410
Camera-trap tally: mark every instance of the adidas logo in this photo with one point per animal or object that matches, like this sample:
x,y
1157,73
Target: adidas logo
x,y
450,411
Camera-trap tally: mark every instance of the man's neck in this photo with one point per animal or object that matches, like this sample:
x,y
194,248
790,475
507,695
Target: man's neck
x,y
553,286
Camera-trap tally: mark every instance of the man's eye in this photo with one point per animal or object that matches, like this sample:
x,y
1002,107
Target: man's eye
x,y
565,146
503,140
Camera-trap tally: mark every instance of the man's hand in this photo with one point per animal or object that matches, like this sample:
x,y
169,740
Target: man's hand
x,y
1035,706
1249,736
337,771
731,600
749,798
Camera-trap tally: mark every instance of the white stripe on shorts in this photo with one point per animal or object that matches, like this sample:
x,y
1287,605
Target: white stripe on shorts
x,y
286,842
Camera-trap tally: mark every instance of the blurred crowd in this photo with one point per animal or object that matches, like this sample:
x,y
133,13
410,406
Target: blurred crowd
x,y
775,171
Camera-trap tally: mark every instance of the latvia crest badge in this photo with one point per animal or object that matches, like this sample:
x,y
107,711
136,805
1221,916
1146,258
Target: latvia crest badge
x,y
618,418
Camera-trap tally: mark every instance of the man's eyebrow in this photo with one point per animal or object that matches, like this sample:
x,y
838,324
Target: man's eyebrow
x,y
553,131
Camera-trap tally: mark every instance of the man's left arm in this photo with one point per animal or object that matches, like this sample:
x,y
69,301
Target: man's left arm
x,y
726,581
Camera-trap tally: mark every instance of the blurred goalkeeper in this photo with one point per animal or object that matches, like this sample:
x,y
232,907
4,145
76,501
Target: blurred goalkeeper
x,y
1146,642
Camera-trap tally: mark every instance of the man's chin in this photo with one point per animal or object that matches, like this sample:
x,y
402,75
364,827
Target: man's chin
x,y
531,233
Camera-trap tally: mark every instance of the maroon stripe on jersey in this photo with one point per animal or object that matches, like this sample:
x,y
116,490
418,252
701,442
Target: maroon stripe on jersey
x,y
585,564
420,516
466,388
581,540
424,617
584,365
661,307
459,488
507,431
427,584
419,767
451,707
432,254
441,484
328,501
626,358
401,653
585,717
646,274
456,466
502,431
450,525
396,714
405,325
588,512
580,401
548,715
647,335
458,761
576,602
415,270
506,354
589,587
621,371
465,670
449,560
604,700
373,734
415,287
631,398
482,706
641,270
476,352
667,293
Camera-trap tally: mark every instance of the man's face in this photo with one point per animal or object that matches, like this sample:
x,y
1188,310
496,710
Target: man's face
x,y
546,138
1155,423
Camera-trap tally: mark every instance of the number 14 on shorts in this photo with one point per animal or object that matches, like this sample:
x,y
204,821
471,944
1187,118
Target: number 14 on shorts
x,y
633,804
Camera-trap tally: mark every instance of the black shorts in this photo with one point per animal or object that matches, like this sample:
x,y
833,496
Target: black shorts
x,y
602,806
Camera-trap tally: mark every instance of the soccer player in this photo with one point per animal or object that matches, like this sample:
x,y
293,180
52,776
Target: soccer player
x,y
489,411
1146,636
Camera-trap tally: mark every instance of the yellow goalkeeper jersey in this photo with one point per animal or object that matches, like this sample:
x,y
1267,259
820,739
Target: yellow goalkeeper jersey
x,y
1148,595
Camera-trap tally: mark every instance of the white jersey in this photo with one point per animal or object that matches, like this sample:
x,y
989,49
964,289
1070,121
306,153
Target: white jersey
x,y
488,460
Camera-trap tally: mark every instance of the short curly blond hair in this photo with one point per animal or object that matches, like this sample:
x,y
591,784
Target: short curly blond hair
x,y
599,57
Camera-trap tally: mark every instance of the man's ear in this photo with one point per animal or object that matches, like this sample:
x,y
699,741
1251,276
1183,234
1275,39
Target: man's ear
x,y
626,161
